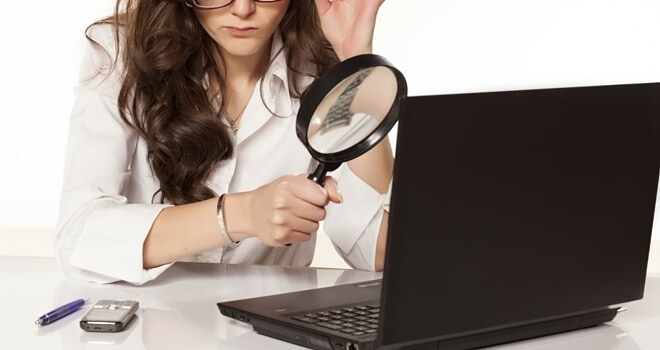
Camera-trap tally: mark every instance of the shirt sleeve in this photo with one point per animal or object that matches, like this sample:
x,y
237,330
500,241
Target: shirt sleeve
x,y
99,235
353,225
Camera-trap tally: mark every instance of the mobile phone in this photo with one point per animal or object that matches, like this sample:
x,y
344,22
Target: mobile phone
x,y
109,315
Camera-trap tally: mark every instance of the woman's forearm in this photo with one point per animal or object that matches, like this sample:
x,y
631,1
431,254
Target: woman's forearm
x,y
375,168
181,231
381,243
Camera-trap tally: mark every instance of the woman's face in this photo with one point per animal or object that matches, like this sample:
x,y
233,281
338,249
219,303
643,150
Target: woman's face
x,y
245,27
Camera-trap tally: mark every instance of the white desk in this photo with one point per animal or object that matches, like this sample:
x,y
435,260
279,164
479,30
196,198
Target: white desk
x,y
178,310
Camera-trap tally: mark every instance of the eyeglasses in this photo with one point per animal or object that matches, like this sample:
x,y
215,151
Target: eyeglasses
x,y
215,4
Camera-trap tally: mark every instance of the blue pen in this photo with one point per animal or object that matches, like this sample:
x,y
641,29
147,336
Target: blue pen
x,y
62,311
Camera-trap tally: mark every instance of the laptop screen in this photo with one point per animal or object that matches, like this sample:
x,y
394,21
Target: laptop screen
x,y
513,208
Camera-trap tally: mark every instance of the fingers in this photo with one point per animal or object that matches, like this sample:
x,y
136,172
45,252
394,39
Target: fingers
x,y
334,195
324,5
294,210
311,192
292,238
287,228
307,191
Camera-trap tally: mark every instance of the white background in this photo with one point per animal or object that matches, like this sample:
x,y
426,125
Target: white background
x,y
41,44
441,46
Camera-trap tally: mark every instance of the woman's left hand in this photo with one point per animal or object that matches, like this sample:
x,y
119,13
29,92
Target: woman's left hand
x,y
349,25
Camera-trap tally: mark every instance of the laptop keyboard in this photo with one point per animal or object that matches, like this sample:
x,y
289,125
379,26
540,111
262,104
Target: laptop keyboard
x,y
355,320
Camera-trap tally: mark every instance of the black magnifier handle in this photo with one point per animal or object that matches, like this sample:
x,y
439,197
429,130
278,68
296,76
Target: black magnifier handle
x,y
318,175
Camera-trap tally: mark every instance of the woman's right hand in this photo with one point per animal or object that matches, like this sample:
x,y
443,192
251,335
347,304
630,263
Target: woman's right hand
x,y
285,211
349,25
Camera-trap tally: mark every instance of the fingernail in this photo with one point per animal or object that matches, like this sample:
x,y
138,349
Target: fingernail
x,y
341,197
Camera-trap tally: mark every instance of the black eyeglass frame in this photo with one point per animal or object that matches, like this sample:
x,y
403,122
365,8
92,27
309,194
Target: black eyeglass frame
x,y
193,4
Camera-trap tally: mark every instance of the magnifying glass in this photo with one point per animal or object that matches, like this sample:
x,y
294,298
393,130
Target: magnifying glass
x,y
348,110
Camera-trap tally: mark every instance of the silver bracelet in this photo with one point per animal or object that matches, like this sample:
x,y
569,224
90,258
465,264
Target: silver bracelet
x,y
221,224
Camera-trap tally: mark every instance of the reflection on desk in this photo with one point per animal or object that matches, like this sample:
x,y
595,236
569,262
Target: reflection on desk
x,y
178,310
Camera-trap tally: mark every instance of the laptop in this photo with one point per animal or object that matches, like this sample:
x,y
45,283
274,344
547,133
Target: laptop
x,y
514,215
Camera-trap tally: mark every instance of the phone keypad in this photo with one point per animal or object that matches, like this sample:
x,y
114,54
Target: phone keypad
x,y
113,304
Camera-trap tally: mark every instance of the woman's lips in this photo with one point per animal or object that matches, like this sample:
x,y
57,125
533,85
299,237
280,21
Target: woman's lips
x,y
241,31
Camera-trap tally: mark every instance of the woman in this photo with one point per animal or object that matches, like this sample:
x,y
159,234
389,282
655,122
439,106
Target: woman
x,y
182,142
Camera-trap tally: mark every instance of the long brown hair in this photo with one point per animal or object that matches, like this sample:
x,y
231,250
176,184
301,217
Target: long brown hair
x,y
167,58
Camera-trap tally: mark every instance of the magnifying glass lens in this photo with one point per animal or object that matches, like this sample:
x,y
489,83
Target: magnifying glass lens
x,y
348,110
352,110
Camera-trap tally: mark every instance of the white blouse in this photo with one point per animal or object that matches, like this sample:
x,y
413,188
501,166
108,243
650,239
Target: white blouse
x,y
106,208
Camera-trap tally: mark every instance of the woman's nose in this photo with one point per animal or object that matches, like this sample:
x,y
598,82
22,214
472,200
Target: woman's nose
x,y
243,8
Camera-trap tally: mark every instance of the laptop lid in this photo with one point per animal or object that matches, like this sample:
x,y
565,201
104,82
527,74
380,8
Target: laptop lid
x,y
513,215
517,208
